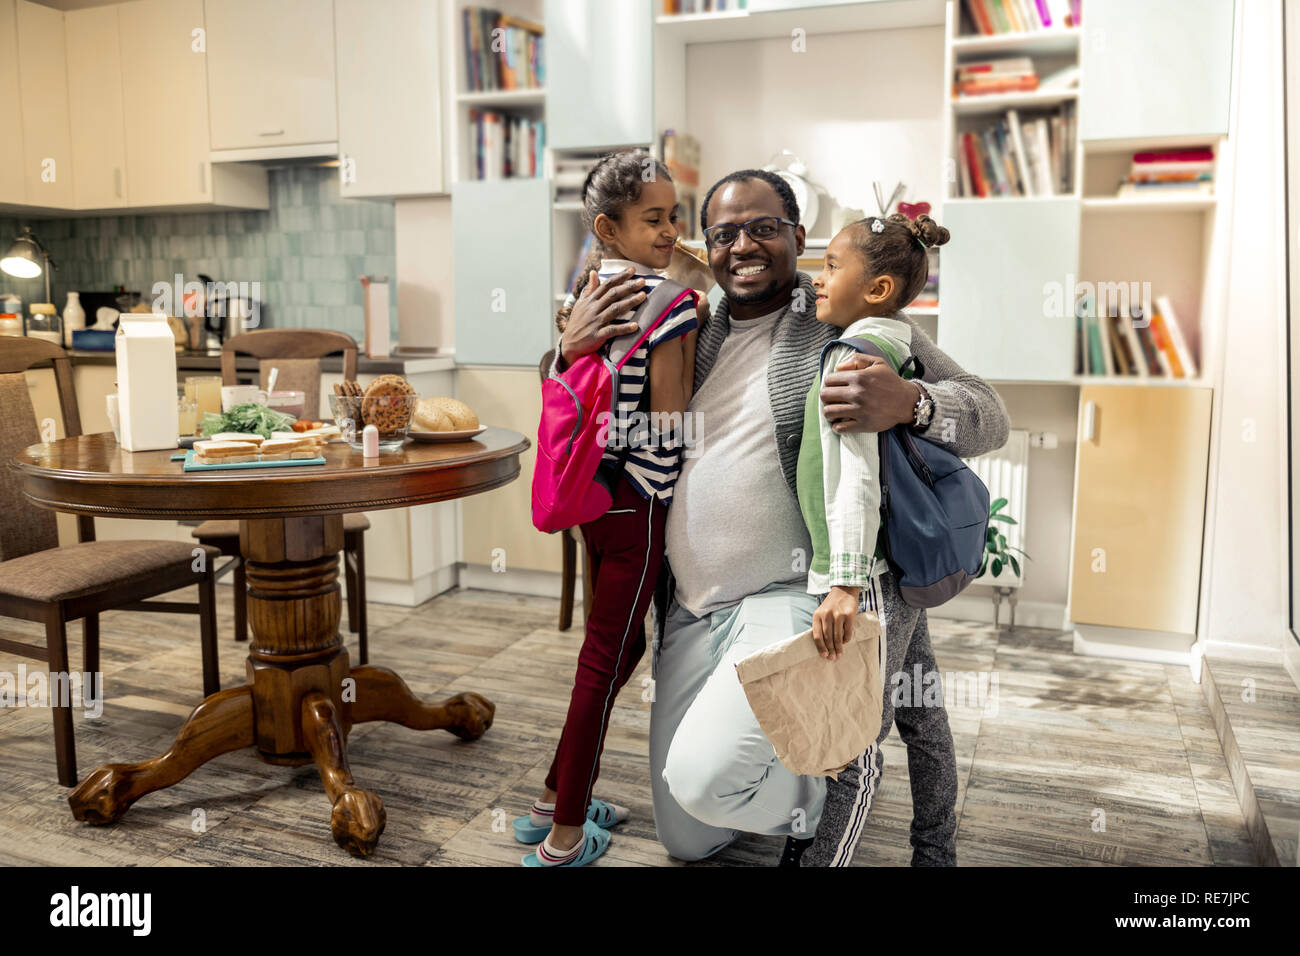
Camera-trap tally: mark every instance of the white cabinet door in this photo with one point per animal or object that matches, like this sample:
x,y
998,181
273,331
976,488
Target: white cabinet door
x,y
165,102
95,107
43,85
501,233
271,72
389,95
588,39
1005,313
12,186
1159,68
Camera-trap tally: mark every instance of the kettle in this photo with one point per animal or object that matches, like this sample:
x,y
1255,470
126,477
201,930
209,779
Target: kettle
x,y
226,314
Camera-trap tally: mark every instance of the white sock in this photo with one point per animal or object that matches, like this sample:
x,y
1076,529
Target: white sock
x,y
542,814
548,855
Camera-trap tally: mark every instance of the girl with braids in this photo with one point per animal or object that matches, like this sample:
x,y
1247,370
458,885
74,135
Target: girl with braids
x,y
630,206
873,268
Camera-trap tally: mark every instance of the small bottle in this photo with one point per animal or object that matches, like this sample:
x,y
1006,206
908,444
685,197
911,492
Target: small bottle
x,y
74,318
370,442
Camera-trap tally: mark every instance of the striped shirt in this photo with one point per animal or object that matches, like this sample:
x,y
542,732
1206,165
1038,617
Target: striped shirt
x,y
655,459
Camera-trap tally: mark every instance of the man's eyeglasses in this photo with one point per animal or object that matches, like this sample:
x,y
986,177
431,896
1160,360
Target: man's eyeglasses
x,y
760,230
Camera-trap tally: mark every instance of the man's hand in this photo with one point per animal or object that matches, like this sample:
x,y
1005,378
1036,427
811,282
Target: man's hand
x,y
596,315
833,621
864,394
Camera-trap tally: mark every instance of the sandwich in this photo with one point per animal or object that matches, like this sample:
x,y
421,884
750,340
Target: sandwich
x,y
285,449
252,437
214,452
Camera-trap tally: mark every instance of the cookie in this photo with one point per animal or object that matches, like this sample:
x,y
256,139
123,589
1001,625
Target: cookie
x,y
387,404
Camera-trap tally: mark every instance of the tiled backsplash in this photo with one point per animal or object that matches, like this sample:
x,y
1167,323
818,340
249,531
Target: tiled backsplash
x,y
308,252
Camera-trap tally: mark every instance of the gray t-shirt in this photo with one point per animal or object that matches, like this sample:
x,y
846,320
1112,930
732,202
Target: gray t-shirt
x,y
733,526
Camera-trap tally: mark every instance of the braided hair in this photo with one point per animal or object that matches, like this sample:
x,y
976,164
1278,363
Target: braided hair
x,y
612,184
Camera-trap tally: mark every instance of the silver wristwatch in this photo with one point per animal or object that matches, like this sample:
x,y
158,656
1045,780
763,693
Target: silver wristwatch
x,y
924,410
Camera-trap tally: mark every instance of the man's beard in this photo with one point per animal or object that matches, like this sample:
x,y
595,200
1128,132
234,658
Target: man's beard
x,y
753,298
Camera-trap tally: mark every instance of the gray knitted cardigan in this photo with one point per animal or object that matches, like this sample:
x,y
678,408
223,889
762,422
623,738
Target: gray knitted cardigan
x,y
965,407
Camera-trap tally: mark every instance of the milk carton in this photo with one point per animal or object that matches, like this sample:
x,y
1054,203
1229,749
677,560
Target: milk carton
x,y
146,382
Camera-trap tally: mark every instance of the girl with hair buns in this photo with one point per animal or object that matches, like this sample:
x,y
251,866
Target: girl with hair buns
x,y
873,268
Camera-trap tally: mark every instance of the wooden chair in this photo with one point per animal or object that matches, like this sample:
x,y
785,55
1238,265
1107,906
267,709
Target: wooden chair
x,y
297,354
42,582
572,540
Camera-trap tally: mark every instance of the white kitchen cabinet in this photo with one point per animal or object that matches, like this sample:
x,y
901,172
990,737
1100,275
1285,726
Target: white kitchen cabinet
x,y
43,89
389,97
1007,309
1155,69
165,104
271,73
595,38
95,116
12,187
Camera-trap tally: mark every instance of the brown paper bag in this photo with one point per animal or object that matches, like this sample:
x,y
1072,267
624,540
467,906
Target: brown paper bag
x,y
820,715
685,267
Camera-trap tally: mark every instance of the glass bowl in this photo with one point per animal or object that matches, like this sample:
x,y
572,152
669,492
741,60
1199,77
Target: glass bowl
x,y
290,402
390,414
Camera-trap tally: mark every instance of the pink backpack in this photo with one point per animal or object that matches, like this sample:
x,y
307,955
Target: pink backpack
x,y
568,489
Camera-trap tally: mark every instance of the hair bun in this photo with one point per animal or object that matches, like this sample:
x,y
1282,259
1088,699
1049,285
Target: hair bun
x,y
930,232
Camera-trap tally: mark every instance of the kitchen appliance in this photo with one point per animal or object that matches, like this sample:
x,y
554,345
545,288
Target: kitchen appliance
x,y
225,314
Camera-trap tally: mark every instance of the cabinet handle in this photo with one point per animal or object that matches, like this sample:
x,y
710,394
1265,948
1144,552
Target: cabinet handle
x,y
1089,421
117,181
203,178
271,132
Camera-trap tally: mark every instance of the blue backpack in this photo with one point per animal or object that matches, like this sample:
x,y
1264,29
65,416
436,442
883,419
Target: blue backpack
x,y
934,511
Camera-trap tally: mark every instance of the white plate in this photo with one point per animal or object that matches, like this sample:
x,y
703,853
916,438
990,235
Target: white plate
x,y
462,435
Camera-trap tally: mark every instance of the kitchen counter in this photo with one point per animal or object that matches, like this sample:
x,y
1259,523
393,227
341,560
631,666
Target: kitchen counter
x,y
412,363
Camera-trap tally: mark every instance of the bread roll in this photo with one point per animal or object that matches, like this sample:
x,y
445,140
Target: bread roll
x,y
460,416
430,418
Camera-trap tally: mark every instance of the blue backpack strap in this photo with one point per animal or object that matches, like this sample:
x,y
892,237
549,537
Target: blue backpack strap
x,y
869,344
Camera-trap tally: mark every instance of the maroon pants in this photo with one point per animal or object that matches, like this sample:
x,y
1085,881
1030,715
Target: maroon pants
x,y
626,546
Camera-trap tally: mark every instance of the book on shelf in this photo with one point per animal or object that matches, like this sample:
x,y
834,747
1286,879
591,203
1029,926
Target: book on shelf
x,y
502,52
1019,157
1175,330
1125,346
506,146
1179,172
675,7
1005,75
681,154
990,17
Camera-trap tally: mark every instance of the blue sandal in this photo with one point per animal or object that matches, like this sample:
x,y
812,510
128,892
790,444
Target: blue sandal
x,y
595,841
598,812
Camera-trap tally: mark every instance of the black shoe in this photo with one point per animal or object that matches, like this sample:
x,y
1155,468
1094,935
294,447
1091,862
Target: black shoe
x,y
794,851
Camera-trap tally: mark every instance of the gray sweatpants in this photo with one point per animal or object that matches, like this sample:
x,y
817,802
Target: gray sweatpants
x,y
931,763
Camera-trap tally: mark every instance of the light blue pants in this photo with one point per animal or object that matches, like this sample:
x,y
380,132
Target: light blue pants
x,y
713,773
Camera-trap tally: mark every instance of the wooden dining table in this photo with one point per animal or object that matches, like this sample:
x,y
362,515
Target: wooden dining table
x,y
301,697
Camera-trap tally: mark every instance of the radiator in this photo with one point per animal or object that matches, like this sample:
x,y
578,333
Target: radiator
x,y
1006,473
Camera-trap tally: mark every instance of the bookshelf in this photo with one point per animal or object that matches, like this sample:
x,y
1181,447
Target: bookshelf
x,y
527,103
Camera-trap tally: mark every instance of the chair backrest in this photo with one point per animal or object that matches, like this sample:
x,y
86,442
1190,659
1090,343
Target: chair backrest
x,y
544,368
296,353
25,528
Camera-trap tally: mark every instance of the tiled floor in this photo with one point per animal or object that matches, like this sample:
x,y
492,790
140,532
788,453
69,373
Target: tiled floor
x,y
1062,761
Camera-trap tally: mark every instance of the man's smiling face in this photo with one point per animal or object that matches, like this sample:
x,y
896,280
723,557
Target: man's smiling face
x,y
756,276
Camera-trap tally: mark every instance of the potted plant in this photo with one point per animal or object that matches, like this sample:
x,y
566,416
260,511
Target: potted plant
x,y
997,553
